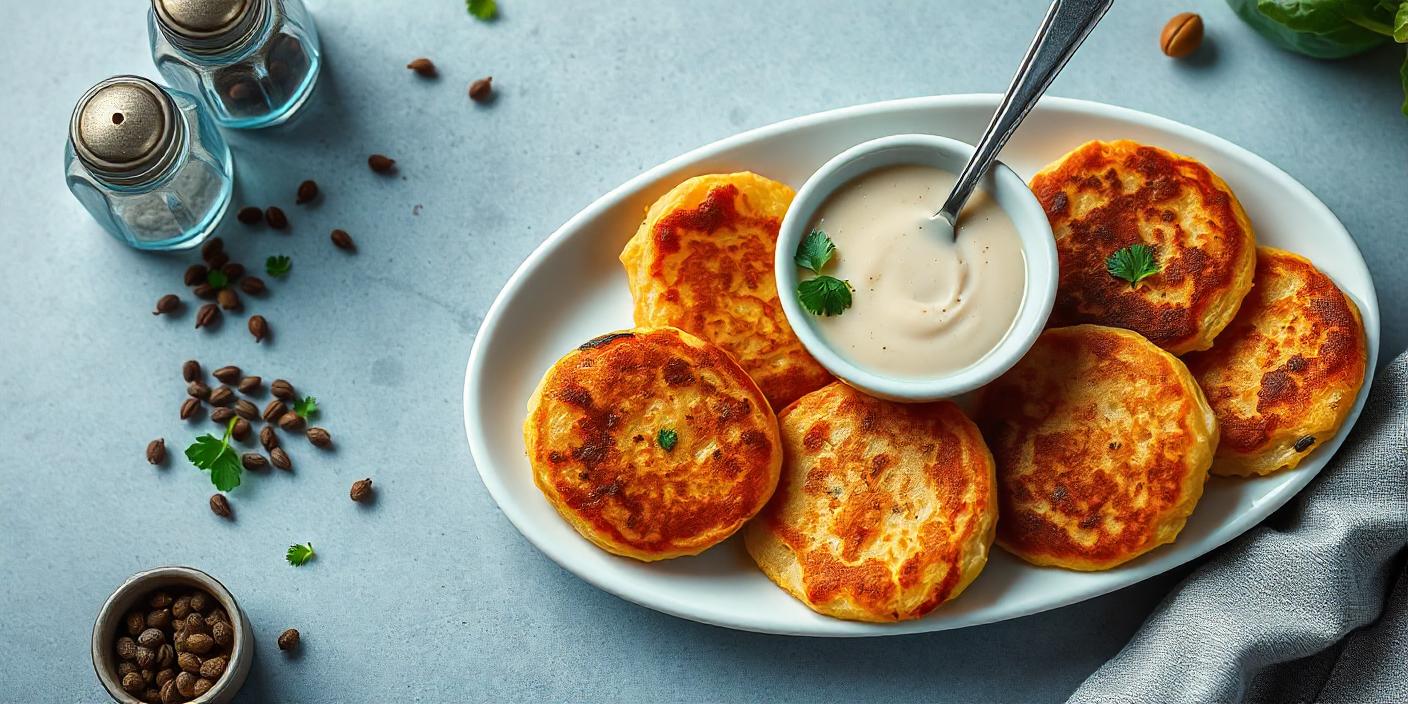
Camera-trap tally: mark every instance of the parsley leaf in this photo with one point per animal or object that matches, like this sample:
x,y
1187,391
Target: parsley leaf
x,y
814,251
1133,264
299,554
305,406
277,265
482,9
667,438
218,457
217,279
824,295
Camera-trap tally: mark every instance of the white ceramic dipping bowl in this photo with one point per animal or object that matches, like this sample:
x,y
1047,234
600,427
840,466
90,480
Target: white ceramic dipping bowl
x,y
1010,193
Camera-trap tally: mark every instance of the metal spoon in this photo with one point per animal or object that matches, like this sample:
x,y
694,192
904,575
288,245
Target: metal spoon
x,y
1067,24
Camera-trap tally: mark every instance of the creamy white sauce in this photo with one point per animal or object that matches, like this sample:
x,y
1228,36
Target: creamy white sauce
x,y
922,305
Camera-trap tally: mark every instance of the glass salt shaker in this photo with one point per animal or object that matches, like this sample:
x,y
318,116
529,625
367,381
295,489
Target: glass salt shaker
x,y
253,62
148,163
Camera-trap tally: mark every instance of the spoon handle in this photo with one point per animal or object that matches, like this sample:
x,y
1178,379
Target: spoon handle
x,y
1067,24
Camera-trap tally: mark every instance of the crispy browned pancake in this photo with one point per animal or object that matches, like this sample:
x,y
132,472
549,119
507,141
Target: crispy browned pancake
x,y
1284,375
885,510
702,261
1102,442
594,439
1105,196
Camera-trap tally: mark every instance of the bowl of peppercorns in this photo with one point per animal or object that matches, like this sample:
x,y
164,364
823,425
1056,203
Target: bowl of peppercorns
x,y
172,634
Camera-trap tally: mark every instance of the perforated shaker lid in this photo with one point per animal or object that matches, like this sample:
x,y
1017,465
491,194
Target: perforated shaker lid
x,y
124,129
207,26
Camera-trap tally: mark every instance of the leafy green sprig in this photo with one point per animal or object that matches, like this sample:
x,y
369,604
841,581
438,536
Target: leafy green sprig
x,y
1133,264
820,295
218,458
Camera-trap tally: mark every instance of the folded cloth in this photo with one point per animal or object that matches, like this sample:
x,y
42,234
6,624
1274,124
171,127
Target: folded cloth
x,y
1309,606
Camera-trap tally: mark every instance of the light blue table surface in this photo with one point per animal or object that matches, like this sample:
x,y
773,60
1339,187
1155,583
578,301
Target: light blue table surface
x,y
430,595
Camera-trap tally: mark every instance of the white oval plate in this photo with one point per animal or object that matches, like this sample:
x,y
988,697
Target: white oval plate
x,y
572,288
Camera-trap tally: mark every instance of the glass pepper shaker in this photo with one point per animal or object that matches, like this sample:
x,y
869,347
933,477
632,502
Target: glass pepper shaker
x,y
253,62
148,163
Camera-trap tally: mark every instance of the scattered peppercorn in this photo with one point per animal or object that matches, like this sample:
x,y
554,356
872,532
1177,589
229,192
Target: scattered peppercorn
x,y
249,215
482,90
274,410
288,640
381,163
250,385
307,191
291,422
167,304
189,408
217,261
258,327
190,370
246,410
221,416
252,285
319,437
219,505
212,247
274,215
221,396
343,241
195,274
208,315
268,438
241,429
229,300
228,374
254,461
204,290
280,459
232,271
156,451
361,490
423,67
198,390
1182,35
281,389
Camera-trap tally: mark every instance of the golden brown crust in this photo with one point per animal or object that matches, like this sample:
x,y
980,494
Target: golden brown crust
x,y
702,261
1102,442
1104,196
885,510
1284,375
592,439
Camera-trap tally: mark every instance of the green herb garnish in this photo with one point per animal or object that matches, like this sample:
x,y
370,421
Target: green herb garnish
x,y
667,438
823,295
814,251
218,457
482,9
305,407
277,265
217,279
1133,264
299,554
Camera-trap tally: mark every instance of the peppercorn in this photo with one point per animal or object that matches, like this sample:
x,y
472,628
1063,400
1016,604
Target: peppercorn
x,y
250,385
241,429
195,274
212,247
281,389
190,370
482,90
156,452
246,410
222,415
307,191
189,408
228,299
291,422
219,505
252,285
343,241
275,409
249,215
208,315
135,623
167,304
381,163
274,215
268,438
253,461
258,327
361,490
198,390
423,67
319,437
279,459
288,640
221,396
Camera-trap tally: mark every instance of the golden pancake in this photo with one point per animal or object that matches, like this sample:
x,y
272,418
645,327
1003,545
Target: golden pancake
x,y
652,443
1105,196
885,510
1284,375
1102,442
702,261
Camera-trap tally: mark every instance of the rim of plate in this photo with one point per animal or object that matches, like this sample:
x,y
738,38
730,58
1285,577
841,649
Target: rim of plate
x,y
664,603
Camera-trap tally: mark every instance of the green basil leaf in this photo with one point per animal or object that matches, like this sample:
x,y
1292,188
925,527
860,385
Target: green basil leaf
x,y
1317,28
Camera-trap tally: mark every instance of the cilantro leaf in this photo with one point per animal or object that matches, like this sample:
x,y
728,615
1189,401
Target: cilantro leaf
x,y
305,406
814,251
1133,264
824,295
299,554
667,438
217,279
218,458
484,10
277,265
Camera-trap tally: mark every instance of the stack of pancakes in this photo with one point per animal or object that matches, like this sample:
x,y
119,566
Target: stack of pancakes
x,y
661,441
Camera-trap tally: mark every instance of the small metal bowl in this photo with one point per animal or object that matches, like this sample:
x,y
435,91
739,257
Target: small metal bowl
x,y
136,588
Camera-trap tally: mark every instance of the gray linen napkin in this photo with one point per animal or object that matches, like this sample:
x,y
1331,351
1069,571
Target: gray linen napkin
x,y
1309,606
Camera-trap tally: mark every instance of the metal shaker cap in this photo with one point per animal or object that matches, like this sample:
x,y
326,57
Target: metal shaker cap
x,y
125,130
207,26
